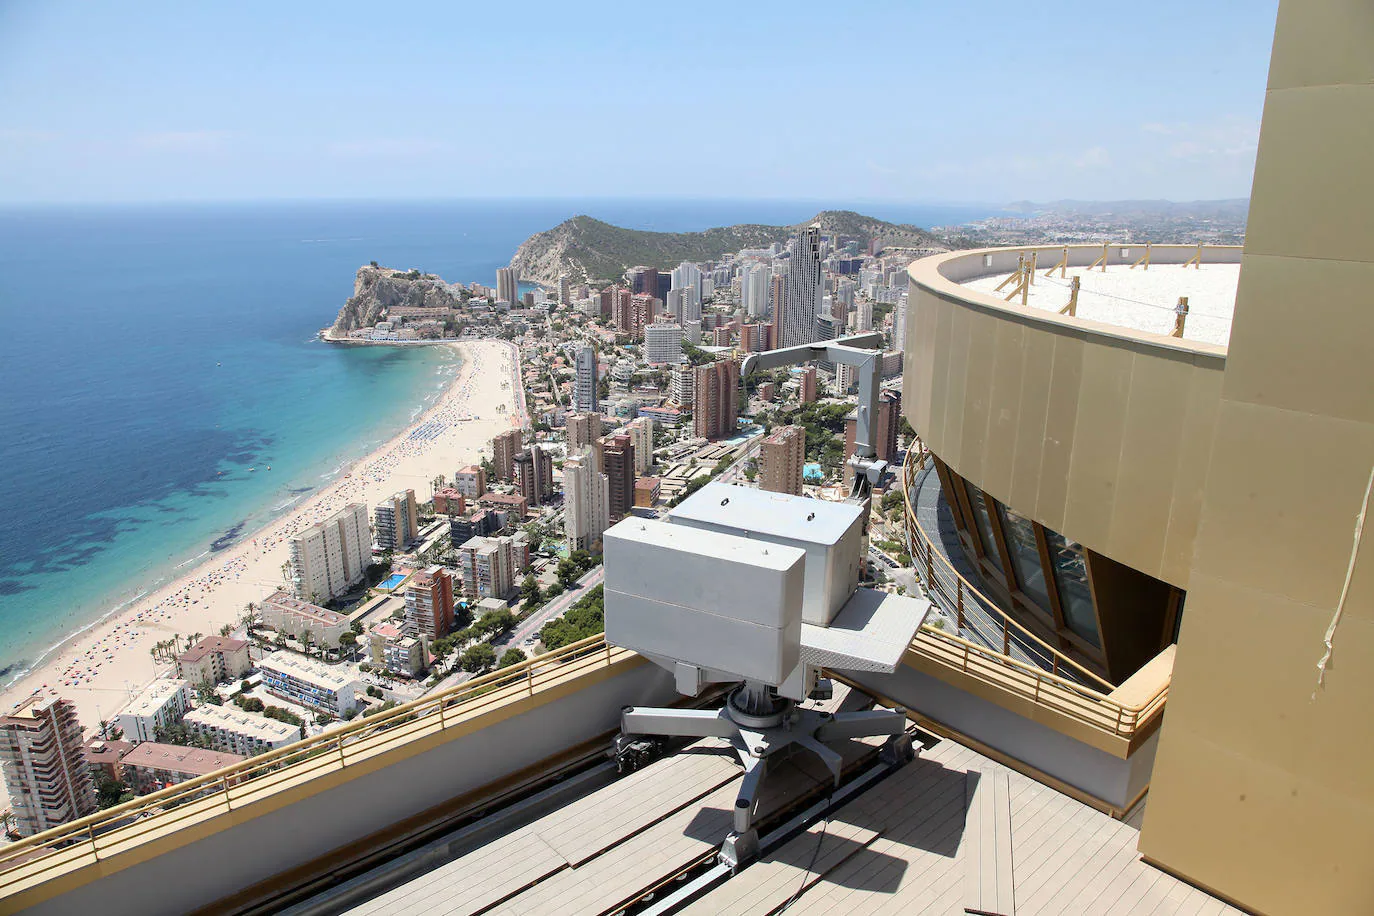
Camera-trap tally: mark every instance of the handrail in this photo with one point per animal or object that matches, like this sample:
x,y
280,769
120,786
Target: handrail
x,y
1085,703
121,823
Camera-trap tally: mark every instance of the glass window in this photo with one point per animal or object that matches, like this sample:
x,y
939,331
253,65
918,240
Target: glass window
x,y
1071,575
984,523
1025,557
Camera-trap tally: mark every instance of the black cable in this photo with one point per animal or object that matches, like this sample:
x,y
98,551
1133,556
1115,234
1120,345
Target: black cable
x,y
815,854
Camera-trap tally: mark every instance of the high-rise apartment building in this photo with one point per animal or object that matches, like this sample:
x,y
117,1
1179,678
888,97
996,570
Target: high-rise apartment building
x,y
564,290
863,320
489,567
504,447
615,305
641,315
330,557
807,377
534,475
687,276
641,433
618,457
586,496
644,280
398,521
715,405
583,429
46,776
471,481
899,324
802,301
753,338
753,290
585,392
429,603
663,344
781,458
682,386
507,285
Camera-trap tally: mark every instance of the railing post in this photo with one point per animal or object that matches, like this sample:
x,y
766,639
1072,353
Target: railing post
x,y
1119,711
224,787
1006,638
443,721
930,573
959,592
90,832
338,742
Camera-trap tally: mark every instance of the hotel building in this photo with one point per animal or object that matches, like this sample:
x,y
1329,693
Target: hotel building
x,y
306,682
231,730
46,776
398,521
715,401
215,659
152,766
429,603
295,618
504,447
331,557
160,704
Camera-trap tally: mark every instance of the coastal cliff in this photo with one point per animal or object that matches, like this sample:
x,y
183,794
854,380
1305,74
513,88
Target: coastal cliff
x,y
377,289
587,249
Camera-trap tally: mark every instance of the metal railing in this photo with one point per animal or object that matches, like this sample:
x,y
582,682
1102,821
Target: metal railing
x,y
1044,680
90,839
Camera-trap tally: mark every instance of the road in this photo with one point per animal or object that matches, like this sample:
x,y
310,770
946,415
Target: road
x,y
531,626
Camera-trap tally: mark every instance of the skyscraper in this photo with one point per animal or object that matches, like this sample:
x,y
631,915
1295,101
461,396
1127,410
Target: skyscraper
x,y
753,289
687,276
504,447
585,386
802,301
45,774
586,495
780,460
507,285
564,290
683,384
663,344
534,475
715,404
641,433
398,520
641,314
618,455
330,557
429,603
583,429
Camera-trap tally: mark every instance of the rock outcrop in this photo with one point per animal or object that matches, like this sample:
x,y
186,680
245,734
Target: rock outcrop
x,y
377,289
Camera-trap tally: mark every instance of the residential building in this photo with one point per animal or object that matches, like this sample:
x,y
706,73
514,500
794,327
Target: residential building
x,y
753,338
41,753
507,285
802,301
715,402
489,567
471,481
394,651
889,419
682,386
429,603
307,682
586,393
846,377
534,475
331,557
476,523
754,290
297,618
564,290
615,306
510,508
767,391
618,457
687,277
152,766
782,455
646,492
160,704
641,315
397,520
504,447
863,320
807,377
663,344
582,430
102,757
231,730
586,496
450,501
641,433
215,659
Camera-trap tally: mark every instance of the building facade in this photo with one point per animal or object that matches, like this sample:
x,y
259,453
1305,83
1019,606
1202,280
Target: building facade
x,y
331,557
160,704
46,776
715,401
471,481
781,457
663,344
429,603
397,521
641,433
233,731
504,447
489,567
306,682
215,659
582,430
618,456
534,475
507,285
152,766
586,394
802,301
297,618
683,385
586,495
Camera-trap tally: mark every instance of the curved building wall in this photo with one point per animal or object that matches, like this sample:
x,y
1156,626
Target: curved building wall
x,y
1100,433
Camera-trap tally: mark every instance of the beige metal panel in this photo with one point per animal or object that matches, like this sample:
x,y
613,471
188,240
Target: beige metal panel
x,y
1153,431
1308,356
1190,475
1325,41
1281,502
1313,165
1098,433
982,350
936,401
1004,408
1061,415
952,430
1036,369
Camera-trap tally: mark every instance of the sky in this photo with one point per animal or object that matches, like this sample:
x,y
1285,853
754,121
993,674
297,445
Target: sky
x,y
916,101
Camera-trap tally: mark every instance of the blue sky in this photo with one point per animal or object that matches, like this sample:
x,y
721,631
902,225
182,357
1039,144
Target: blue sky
x,y
915,101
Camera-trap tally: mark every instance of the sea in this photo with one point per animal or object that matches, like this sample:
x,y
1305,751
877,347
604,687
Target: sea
x,y
163,392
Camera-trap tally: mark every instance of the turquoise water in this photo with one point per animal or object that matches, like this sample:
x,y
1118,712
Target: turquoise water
x,y
393,580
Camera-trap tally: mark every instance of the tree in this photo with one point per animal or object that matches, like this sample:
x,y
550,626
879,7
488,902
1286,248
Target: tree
x,y
553,591
511,656
892,499
478,658
357,627
585,618
529,590
568,573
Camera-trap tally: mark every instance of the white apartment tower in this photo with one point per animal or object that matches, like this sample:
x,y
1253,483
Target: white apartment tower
x,y
687,277
863,316
330,557
46,775
586,501
802,302
641,433
488,566
684,384
753,289
663,344
584,388
398,521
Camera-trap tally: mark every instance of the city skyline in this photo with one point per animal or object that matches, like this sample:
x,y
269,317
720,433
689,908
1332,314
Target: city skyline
x,y
262,103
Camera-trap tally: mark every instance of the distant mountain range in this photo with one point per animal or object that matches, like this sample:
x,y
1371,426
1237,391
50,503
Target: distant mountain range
x,y
588,249
1231,209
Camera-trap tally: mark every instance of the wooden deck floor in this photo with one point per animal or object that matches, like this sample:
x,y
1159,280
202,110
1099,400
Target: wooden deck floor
x,y
897,848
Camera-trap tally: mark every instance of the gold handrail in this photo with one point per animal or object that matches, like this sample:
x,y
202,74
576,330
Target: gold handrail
x,y
430,714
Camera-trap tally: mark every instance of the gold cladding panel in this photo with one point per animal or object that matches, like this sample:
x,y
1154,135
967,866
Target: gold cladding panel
x,y
1325,41
1190,474
1098,433
1037,364
1066,379
982,350
1004,409
951,430
1314,168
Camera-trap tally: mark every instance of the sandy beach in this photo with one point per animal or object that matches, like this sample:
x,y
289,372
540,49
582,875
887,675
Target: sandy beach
x,y
100,669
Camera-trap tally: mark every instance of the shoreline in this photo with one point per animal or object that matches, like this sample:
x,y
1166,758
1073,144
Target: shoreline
x,y
99,666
